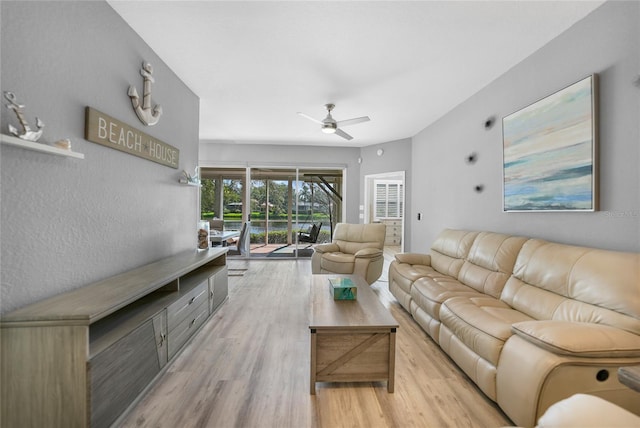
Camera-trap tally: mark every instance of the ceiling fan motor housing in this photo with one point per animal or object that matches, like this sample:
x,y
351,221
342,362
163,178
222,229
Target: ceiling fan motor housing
x,y
329,124
329,127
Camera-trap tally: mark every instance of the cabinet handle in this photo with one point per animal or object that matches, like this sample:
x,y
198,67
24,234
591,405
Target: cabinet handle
x,y
192,300
193,321
163,337
211,294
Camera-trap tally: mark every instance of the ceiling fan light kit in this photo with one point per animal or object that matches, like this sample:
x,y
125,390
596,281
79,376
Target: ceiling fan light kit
x,y
330,126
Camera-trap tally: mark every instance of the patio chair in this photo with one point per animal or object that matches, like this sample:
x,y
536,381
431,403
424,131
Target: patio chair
x,y
216,224
311,235
242,243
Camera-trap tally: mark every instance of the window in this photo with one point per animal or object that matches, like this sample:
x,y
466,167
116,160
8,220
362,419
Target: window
x,y
388,199
221,195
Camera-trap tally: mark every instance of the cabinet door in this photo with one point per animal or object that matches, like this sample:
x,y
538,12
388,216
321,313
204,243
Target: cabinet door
x,y
120,373
218,288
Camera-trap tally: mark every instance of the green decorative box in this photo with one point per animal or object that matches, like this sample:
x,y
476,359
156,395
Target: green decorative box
x,y
343,289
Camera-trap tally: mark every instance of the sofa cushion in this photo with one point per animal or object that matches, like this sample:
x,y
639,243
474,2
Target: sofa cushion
x,y
412,272
430,291
338,262
482,323
490,262
446,258
579,339
414,258
353,237
570,283
449,250
401,278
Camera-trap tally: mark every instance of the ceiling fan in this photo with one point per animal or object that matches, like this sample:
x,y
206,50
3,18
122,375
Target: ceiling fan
x,y
331,126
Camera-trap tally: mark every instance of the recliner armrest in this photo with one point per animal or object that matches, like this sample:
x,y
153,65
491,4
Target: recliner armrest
x,y
327,248
581,410
579,339
368,253
414,258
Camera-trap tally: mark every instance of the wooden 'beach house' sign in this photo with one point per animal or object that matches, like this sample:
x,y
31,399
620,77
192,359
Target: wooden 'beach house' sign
x,y
107,131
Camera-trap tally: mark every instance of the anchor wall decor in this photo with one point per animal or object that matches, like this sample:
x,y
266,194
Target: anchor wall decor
x,y
27,133
147,115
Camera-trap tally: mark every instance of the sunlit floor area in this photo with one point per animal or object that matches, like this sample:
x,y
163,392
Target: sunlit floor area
x,y
280,250
249,367
291,251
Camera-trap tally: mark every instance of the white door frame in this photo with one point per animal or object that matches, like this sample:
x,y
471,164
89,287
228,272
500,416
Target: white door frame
x,y
368,189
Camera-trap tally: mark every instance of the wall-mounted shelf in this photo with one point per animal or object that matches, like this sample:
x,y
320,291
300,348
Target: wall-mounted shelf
x,y
189,183
38,147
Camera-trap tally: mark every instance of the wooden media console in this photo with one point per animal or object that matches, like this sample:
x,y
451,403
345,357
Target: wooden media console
x,y
82,358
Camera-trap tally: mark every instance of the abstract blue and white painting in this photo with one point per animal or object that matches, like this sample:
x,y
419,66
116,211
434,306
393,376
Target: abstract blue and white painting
x,y
549,152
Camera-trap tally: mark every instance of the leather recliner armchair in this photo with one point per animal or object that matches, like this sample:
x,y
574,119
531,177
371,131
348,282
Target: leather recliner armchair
x,y
355,249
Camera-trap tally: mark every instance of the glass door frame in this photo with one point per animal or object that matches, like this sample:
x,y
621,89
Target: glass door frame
x,y
369,188
293,204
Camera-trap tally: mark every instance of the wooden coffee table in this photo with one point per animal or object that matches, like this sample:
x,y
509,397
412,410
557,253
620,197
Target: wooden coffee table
x,y
351,340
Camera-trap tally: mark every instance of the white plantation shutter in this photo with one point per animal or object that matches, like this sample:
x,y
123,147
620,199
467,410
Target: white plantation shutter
x,y
388,199
381,200
392,200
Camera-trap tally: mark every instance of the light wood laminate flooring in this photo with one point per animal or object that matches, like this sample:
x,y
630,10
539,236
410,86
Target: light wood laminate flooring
x,y
249,367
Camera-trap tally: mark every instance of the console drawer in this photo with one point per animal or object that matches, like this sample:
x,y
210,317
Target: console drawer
x,y
189,325
184,307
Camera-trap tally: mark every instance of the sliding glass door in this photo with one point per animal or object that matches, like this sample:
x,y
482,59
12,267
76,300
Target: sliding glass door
x,y
273,205
289,209
320,201
222,196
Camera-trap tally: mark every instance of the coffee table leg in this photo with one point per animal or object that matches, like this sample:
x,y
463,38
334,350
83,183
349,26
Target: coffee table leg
x,y
312,379
392,360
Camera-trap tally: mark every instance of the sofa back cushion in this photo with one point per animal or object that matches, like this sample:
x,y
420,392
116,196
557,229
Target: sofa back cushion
x,y
450,249
553,281
490,262
352,238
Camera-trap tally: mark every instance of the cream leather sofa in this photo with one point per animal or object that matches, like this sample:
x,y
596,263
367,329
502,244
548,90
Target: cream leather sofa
x,y
585,411
531,322
355,249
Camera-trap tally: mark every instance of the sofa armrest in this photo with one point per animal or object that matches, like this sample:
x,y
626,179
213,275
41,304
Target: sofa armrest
x,y
327,248
579,339
368,253
414,258
583,410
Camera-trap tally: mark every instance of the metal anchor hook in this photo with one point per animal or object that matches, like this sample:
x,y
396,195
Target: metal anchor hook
x,y
27,133
147,115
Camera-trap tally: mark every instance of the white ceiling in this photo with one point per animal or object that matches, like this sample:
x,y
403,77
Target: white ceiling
x,y
403,64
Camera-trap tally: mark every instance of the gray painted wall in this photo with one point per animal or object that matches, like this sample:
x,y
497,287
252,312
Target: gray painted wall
x,y
68,222
606,42
243,155
396,157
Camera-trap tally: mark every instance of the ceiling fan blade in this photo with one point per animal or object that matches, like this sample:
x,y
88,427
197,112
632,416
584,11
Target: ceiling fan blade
x,y
343,134
342,123
310,118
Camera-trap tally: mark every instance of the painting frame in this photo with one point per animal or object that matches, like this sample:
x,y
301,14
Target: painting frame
x,y
550,150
